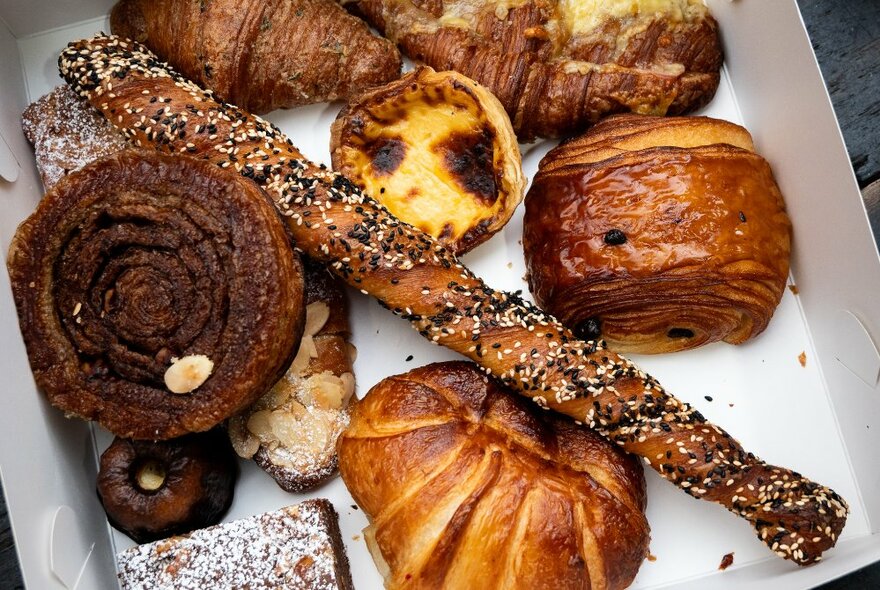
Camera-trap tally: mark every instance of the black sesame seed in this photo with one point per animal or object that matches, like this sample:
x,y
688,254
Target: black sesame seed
x,y
589,329
409,358
742,216
708,398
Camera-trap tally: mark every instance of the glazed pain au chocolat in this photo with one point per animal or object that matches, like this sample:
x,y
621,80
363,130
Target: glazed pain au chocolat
x,y
423,282
657,234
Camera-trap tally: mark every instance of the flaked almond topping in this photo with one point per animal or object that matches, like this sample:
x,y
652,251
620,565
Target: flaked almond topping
x,y
243,442
352,352
317,314
326,390
188,373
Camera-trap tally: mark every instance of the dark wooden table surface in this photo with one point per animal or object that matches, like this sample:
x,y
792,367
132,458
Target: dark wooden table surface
x,y
846,38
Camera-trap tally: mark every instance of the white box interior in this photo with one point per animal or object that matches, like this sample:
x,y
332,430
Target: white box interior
x,y
822,419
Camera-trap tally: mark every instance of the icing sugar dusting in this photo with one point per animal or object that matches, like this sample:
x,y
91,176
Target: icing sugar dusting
x,y
290,548
67,133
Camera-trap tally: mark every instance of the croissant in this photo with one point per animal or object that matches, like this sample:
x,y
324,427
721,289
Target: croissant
x,y
155,334
467,486
262,55
420,280
694,249
558,66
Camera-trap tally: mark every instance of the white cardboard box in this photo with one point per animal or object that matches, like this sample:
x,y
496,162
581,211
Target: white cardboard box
x,y
822,420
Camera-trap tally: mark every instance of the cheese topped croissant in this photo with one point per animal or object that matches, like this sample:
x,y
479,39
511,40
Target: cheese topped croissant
x,y
559,65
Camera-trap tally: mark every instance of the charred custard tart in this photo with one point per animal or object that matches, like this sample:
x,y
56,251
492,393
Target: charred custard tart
x,y
438,150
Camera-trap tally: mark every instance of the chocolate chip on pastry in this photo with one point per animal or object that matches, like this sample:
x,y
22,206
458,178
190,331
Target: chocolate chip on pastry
x,y
558,66
67,133
417,278
291,432
468,486
152,490
262,54
437,150
296,547
134,282
658,234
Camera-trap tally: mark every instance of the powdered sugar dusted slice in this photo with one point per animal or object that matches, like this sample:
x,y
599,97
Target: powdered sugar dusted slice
x,y
295,547
67,133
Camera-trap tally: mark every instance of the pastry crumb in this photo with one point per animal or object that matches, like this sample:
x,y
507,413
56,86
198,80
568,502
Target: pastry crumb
x,y
793,288
651,557
355,537
802,359
726,561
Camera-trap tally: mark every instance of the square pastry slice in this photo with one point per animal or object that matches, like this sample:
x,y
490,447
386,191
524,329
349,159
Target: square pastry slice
x,y
297,547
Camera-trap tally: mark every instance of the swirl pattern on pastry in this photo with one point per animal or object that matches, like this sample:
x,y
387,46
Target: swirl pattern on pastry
x,y
468,486
140,260
658,234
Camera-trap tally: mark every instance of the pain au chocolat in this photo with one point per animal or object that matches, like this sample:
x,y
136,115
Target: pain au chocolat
x,y
658,234
156,294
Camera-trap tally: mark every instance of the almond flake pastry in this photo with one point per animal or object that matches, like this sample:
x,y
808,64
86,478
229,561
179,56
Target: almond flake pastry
x,y
291,432
296,547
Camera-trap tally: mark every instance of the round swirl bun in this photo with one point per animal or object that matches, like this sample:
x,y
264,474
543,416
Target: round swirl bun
x,y
468,486
658,234
142,262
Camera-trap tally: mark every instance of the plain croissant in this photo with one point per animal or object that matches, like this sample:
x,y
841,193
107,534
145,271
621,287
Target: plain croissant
x,y
415,277
468,486
262,54
559,65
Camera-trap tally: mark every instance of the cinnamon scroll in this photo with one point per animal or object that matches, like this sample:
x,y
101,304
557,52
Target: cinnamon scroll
x,y
658,234
134,286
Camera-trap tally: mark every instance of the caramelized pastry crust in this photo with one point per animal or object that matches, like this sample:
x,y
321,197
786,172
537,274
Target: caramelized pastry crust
x,y
152,490
467,486
438,151
559,65
137,299
658,234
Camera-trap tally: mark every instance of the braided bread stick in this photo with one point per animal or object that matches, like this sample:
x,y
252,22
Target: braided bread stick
x,y
418,279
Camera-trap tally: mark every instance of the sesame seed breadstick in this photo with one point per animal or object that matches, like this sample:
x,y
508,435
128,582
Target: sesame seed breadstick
x,y
416,278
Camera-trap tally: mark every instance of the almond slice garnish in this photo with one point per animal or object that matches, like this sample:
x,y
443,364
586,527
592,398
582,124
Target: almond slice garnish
x,y
188,373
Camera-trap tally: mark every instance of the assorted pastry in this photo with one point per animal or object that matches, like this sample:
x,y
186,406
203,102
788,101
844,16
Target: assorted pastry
x,y
162,295
657,234
67,133
262,55
558,66
438,151
291,432
467,485
152,490
416,277
296,547
134,285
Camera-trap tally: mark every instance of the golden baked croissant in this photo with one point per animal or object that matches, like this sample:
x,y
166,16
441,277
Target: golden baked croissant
x,y
467,486
262,55
657,234
559,65
420,280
